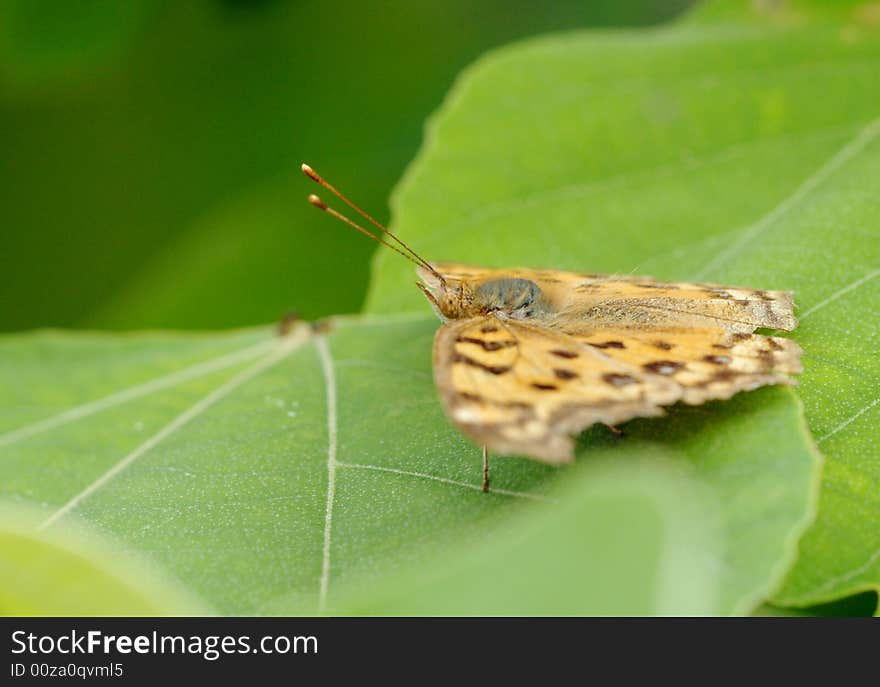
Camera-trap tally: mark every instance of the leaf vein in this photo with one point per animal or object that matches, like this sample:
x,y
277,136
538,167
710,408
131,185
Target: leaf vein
x,y
120,397
444,480
849,575
842,292
330,385
848,421
281,351
864,138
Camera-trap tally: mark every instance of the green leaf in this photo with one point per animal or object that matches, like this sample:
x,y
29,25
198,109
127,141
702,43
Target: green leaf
x,y
863,604
738,147
72,571
311,472
642,538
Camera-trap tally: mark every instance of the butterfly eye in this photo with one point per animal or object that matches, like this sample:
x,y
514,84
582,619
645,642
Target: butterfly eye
x,y
449,305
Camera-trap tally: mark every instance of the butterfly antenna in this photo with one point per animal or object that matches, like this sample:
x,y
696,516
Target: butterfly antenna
x,y
317,202
321,205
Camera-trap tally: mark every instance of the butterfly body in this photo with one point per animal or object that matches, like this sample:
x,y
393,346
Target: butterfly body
x,y
527,358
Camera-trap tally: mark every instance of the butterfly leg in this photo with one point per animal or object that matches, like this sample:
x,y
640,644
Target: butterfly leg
x,y
485,469
616,431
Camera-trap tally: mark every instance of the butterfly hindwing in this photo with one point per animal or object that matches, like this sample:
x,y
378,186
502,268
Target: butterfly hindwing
x,y
524,388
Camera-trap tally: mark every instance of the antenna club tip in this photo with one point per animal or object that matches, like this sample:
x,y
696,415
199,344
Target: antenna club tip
x,y
309,172
317,202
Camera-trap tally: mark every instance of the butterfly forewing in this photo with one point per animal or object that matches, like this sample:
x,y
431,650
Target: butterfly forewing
x,y
612,300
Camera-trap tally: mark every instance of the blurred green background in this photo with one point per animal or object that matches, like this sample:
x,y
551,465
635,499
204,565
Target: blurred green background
x,y
151,148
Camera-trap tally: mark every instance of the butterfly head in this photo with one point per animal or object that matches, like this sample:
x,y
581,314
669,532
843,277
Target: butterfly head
x,y
451,299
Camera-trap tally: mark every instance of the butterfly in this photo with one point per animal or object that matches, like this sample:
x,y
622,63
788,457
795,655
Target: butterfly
x,y
527,358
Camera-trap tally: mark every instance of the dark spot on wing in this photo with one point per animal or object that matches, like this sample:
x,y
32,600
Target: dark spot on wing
x,y
724,375
609,344
564,354
615,379
721,294
764,296
565,374
488,328
717,359
722,345
740,336
493,369
663,367
486,345
775,345
544,387
663,345
650,285
467,396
